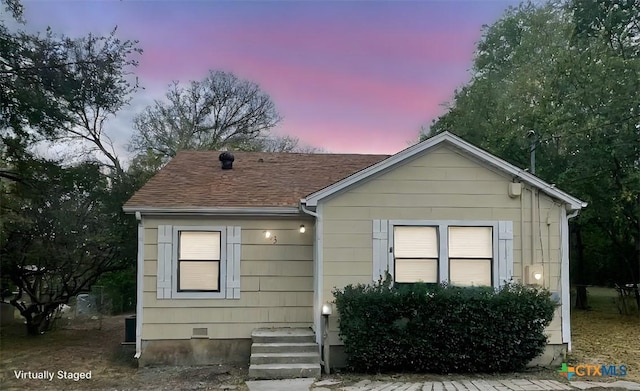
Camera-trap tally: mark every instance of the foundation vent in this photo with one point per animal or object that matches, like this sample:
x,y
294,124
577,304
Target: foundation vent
x,y
199,332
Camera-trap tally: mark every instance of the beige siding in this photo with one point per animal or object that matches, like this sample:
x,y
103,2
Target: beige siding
x,y
276,283
440,185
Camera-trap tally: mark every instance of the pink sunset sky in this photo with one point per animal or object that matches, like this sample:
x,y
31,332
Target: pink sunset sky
x,y
359,77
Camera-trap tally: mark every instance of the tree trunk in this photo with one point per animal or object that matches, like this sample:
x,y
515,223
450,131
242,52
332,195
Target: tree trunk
x,y
38,322
637,276
581,283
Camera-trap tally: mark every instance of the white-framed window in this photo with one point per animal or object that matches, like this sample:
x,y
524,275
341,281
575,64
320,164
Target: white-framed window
x,y
198,262
470,255
415,251
463,253
199,255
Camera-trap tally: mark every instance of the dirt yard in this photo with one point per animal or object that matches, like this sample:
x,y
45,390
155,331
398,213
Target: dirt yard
x,y
96,348
603,336
599,336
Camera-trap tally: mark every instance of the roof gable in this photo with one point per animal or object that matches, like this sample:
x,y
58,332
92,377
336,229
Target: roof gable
x,y
429,144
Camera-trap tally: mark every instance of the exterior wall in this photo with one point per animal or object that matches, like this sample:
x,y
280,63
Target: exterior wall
x,y
276,289
439,185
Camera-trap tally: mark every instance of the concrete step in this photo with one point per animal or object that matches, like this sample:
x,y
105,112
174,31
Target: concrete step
x,y
283,371
282,335
308,347
285,358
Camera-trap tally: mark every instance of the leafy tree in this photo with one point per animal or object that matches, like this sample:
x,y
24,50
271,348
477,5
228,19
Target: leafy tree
x,y
55,88
568,73
56,238
221,110
61,226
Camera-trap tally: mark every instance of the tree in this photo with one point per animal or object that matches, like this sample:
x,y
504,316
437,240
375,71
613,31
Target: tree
x,y
274,143
570,73
57,238
62,226
61,89
221,110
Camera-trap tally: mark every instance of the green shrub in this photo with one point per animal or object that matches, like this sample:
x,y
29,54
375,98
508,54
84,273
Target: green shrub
x,y
120,288
438,328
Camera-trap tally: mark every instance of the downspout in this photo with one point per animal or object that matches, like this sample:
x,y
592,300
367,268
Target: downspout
x,y
318,280
139,287
317,272
522,252
534,232
564,277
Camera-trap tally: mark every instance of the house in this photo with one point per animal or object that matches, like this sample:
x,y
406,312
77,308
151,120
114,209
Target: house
x,y
229,250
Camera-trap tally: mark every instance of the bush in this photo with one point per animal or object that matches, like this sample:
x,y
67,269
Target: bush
x,y
438,328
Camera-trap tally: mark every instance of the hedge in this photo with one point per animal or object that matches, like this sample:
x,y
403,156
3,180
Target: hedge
x,y
442,329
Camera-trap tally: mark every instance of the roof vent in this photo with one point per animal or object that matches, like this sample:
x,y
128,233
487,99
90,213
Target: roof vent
x,y
227,160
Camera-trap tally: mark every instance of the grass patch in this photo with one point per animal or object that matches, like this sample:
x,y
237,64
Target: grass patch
x,y
601,335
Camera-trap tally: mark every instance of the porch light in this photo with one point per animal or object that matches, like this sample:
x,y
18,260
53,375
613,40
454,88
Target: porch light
x,y
267,234
534,274
327,309
302,229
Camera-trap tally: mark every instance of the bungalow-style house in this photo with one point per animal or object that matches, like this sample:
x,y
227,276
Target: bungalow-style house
x,y
235,251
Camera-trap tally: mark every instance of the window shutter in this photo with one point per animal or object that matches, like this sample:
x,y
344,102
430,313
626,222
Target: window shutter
x,y
380,249
505,252
233,262
165,238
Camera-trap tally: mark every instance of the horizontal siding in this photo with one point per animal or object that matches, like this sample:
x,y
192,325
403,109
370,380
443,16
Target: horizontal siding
x,y
402,200
279,251
554,330
277,268
227,315
440,185
254,284
276,283
388,186
247,300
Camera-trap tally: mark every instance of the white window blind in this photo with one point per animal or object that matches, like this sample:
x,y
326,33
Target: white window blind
x,y
413,270
196,245
467,272
416,254
200,275
415,242
470,242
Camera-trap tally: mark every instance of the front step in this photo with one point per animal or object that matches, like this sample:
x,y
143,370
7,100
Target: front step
x,y
285,358
309,347
284,371
283,335
284,353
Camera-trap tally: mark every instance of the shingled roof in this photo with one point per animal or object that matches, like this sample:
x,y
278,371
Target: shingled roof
x,y
194,179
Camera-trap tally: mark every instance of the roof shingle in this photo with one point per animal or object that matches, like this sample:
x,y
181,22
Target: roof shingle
x,y
194,179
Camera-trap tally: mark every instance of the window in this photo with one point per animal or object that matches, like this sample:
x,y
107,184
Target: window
x,y
462,253
416,254
199,261
470,255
